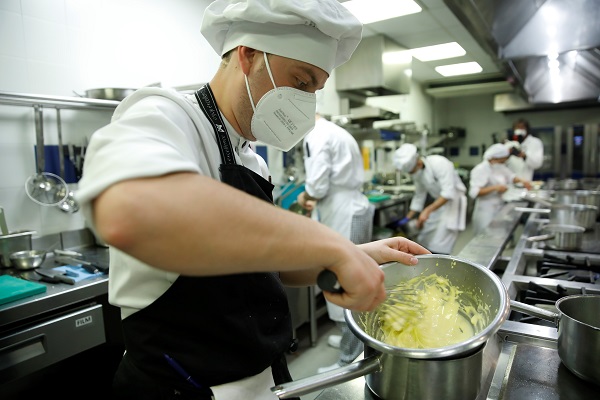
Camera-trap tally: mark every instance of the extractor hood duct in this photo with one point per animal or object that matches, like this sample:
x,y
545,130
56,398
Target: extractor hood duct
x,y
550,47
377,68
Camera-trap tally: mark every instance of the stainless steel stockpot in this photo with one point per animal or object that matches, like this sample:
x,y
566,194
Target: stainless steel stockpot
x,y
589,197
393,373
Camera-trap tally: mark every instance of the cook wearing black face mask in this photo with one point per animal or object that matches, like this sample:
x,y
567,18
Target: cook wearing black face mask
x,y
528,154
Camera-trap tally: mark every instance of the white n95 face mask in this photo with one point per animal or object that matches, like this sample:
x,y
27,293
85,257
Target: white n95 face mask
x,y
283,116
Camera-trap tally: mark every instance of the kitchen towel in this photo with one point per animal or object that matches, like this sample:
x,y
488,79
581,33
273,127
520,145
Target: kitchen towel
x,y
12,288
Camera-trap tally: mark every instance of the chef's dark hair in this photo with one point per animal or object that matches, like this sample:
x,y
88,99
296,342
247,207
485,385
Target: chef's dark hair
x,y
524,122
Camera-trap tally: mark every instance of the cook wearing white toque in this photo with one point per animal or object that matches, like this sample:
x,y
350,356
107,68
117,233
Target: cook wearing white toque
x,y
434,176
496,151
405,158
188,294
321,33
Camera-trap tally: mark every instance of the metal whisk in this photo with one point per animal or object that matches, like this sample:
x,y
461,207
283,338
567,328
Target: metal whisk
x,y
401,303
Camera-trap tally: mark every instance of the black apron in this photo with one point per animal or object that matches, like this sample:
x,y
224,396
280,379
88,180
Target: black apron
x,y
218,329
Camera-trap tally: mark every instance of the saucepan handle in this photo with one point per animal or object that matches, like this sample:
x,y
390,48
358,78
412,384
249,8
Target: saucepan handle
x,y
534,311
533,210
541,238
329,378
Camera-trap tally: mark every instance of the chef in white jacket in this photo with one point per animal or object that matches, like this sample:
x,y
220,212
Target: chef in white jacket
x,y
442,220
199,255
528,155
488,180
333,193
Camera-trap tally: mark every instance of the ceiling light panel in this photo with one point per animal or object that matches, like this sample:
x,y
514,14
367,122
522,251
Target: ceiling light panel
x,y
459,69
438,52
368,11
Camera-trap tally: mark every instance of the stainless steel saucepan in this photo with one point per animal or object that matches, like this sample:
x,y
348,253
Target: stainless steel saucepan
x,y
578,323
567,214
561,237
394,373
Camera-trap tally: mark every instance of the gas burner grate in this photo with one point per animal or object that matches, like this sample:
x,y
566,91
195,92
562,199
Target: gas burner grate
x,y
543,297
568,268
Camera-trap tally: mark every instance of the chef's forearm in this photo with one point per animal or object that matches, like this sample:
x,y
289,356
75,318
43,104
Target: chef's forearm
x,y
308,197
487,190
440,201
195,225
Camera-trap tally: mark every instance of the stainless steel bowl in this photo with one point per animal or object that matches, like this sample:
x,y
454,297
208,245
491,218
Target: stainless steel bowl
x,y
479,286
28,259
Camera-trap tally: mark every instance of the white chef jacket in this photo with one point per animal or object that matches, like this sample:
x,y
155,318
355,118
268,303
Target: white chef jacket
x,y
335,175
534,150
486,207
440,179
158,131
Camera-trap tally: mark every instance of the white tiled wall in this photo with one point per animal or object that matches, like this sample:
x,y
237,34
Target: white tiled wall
x,y
58,47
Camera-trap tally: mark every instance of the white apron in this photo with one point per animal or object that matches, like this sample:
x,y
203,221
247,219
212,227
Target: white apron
x,y
349,213
441,229
439,179
488,206
335,174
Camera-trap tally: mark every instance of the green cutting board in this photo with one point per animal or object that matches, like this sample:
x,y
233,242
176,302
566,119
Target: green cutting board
x,y
12,288
374,198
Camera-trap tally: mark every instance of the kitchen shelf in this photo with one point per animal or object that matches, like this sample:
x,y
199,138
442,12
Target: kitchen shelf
x,y
64,102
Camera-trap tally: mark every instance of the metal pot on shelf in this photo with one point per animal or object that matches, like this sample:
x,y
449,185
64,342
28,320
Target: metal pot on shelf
x,y
112,93
578,324
396,373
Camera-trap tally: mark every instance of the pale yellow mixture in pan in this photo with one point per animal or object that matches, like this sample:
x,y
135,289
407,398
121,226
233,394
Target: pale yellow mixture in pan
x,y
431,313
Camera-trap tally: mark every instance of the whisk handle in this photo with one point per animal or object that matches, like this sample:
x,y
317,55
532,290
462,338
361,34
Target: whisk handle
x,y
327,280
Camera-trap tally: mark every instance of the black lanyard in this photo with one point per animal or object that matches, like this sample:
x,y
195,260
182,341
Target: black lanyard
x,y
206,101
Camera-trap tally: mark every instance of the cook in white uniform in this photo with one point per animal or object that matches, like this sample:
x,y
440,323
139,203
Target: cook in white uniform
x,y
198,252
529,155
442,220
333,192
488,180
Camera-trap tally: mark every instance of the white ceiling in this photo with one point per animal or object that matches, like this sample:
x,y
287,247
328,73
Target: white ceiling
x,y
435,24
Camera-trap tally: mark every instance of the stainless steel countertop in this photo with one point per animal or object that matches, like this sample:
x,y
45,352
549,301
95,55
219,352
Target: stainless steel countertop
x,y
57,295
486,247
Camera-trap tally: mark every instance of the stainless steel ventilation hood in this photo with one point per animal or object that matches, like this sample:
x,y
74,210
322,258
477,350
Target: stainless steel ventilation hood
x,y
550,48
377,68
